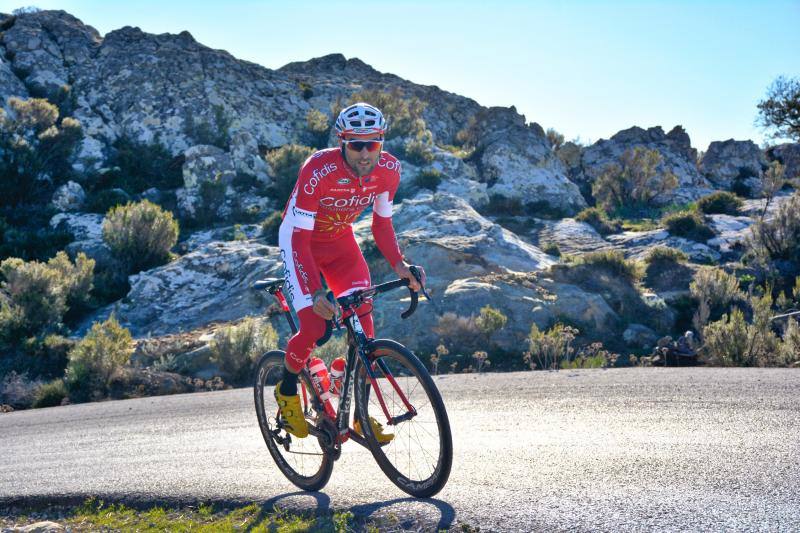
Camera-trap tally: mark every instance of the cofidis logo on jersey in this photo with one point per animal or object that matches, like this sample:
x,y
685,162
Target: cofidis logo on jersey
x,y
353,201
317,175
389,164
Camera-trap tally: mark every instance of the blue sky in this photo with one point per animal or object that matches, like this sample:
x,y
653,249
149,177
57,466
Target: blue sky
x,y
587,69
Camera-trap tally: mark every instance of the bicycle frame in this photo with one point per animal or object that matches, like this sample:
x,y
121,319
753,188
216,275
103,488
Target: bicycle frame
x,y
357,351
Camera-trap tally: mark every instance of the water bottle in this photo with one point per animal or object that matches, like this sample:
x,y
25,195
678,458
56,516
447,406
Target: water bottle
x,y
337,375
322,383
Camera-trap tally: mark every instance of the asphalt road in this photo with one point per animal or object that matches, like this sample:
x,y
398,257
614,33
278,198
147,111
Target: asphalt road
x,y
628,449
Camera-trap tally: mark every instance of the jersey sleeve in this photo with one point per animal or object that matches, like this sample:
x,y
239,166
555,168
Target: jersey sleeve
x,y
382,227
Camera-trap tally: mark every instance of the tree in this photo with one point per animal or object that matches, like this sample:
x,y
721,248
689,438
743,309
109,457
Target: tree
x,y
781,109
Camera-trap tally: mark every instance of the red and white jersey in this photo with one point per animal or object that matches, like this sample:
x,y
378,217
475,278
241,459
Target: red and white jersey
x,y
327,198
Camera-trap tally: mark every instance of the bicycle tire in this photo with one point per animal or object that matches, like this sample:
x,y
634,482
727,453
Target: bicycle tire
x,y
411,436
313,478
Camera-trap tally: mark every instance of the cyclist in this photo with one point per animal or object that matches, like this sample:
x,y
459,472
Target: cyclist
x,y
316,237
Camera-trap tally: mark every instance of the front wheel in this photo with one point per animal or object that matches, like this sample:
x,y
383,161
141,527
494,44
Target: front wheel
x,y
303,461
419,457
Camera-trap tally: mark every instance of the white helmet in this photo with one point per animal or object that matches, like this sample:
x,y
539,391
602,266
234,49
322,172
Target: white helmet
x,y
360,119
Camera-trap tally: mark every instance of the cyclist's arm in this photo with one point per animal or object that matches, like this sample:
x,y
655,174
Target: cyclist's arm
x,y
382,228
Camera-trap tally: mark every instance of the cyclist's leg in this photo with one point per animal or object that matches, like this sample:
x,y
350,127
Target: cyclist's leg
x,y
345,271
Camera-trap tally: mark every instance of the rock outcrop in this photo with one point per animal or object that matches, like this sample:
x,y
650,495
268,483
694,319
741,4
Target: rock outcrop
x,y
728,161
675,148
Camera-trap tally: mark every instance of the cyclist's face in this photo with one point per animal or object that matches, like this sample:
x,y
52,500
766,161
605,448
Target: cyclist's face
x,y
362,162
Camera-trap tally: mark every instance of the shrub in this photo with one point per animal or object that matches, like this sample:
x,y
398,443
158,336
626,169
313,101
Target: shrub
x,y
717,289
285,163
665,254
39,294
722,203
212,196
613,262
490,320
428,179
598,219
547,349
417,152
551,248
27,235
404,115
554,138
50,394
36,149
458,333
17,390
137,166
140,235
637,181
790,347
213,129
318,128
270,227
45,356
102,201
236,348
687,224
778,112
105,348
774,244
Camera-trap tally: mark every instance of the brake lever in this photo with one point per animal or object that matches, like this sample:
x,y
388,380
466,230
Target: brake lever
x,y
415,271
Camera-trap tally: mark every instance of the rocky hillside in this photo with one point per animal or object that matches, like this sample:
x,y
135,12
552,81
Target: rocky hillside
x,y
485,191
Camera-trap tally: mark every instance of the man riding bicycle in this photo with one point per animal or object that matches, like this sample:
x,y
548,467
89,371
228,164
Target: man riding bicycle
x,y
316,237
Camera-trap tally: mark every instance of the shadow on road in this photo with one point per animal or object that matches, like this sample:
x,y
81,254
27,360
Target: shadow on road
x,y
446,512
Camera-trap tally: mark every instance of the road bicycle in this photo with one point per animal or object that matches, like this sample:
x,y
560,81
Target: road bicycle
x,y
387,382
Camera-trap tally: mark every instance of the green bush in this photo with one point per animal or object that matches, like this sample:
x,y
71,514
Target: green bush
x,y
613,262
548,349
102,201
285,163
721,203
665,254
636,182
790,347
490,320
335,347
270,227
318,128
212,196
417,152
140,235
460,334
237,348
687,224
502,205
137,166
428,179
105,348
598,219
27,234
39,294
404,115
50,394
775,244
551,248
35,149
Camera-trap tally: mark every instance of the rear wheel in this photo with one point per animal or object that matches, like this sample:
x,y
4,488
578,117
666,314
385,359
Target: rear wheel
x,y
303,461
419,457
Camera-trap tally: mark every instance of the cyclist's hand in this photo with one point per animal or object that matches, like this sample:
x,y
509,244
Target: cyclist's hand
x,y
322,306
403,271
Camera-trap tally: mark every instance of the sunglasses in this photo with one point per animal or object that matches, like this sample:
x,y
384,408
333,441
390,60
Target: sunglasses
x,y
371,146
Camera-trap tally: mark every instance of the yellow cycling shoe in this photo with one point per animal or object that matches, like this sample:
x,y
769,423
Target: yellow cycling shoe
x,y
377,430
292,413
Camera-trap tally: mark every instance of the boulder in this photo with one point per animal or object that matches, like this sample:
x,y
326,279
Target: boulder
x,y
637,244
212,283
726,161
517,162
789,156
639,336
69,197
83,226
